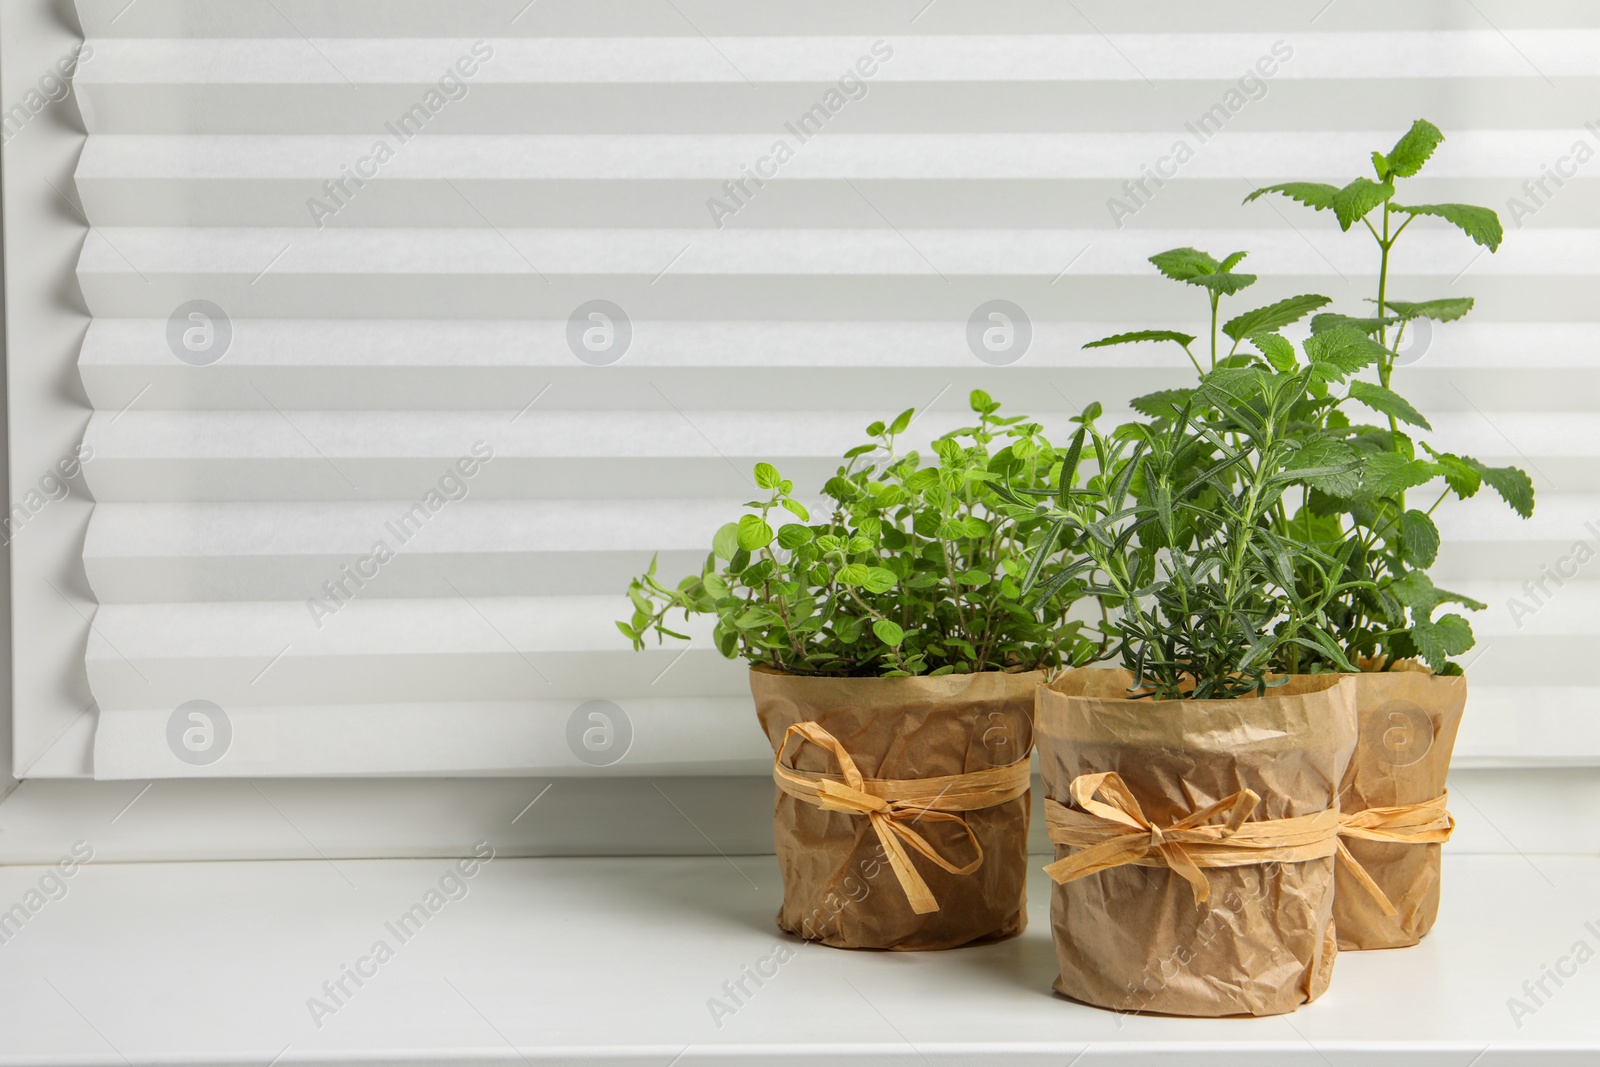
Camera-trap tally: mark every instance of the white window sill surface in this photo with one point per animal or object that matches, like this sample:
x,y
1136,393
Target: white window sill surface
x,y
616,961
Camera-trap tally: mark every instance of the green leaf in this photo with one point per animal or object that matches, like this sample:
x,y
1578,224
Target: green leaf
x,y
1513,485
974,578
1479,223
1225,284
767,476
1416,591
726,541
1445,310
1232,384
1142,335
1413,149
1185,264
854,575
794,535
754,533
1439,639
1388,473
1352,203
1278,352
1388,402
794,507
1329,321
902,421
1339,353
889,633
1167,403
1312,194
1328,464
880,580
1273,317
1462,477
1419,538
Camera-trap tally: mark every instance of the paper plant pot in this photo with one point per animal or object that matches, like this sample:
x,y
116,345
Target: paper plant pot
x,y
901,819
1229,909
1394,807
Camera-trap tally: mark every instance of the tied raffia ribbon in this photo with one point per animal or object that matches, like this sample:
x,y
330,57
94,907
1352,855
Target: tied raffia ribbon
x,y
1114,831
1427,823
895,806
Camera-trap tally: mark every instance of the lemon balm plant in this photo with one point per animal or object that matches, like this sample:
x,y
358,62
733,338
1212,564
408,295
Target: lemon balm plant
x,y
1350,499
911,572
1395,620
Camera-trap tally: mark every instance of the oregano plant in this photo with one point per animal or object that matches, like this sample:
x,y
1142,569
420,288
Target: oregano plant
x,y
912,570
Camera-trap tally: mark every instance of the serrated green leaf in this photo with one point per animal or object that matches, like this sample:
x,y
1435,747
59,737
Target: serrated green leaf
x,y
1329,321
1513,485
1274,316
1445,310
1388,473
1479,223
1316,195
1339,353
1328,464
1352,203
1413,149
1142,335
1388,402
1225,284
1167,403
1462,477
1185,264
1278,352
1419,538
1439,639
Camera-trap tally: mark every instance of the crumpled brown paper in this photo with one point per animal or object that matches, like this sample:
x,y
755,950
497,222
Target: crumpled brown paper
x,y
1408,724
1132,937
837,885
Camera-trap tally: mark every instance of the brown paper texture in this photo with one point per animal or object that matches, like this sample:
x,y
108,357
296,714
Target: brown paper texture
x,y
837,886
1132,938
1408,724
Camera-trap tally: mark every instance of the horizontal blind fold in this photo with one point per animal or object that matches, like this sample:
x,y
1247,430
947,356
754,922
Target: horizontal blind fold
x,y
366,500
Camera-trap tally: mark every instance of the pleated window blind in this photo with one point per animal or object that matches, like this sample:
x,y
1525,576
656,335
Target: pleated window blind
x,y
414,329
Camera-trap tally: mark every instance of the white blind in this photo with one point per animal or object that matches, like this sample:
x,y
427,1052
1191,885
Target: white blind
x,y
393,213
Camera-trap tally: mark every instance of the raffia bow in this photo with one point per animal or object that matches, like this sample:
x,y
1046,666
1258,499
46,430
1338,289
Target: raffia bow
x,y
1427,823
895,806
1114,832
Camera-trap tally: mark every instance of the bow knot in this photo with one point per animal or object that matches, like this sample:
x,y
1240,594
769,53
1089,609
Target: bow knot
x,y
895,806
1113,831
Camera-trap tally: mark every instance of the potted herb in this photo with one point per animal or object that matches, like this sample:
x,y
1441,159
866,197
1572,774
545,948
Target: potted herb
x,y
893,665
1410,694
1349,498
1193,805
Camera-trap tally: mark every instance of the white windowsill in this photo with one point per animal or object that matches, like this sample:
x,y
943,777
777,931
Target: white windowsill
x,y
613,961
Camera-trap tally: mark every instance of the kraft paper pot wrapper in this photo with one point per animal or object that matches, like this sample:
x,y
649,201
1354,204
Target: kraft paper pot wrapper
x,y
839,887
1408,723
1133,937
